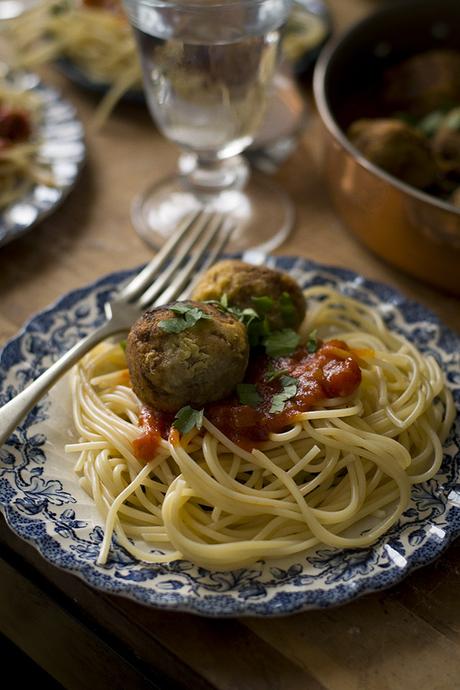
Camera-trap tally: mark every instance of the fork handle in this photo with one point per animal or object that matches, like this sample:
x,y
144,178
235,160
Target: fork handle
x,y
16,409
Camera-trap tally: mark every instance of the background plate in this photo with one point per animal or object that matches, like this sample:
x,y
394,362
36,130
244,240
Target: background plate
x,y
44,505
79,77
62,146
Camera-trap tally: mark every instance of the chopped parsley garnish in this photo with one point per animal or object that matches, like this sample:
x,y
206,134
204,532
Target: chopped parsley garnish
x,y
188,317
281,343
247,316
187,418
312,342
262,305
248,394
287,309
452,120
289,389
272,374
258,329
276,343
429,124
243,315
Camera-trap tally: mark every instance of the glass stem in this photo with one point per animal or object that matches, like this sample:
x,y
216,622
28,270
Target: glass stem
x,y
209,177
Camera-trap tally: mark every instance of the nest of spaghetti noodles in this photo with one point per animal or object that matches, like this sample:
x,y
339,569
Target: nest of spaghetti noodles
x,y
337,472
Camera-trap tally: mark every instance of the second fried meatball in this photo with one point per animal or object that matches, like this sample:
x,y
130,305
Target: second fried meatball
x,y
243,282
424,82
446,147
194,366
396,148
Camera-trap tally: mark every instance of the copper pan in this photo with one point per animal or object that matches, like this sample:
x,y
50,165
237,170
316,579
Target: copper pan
x,y
414,231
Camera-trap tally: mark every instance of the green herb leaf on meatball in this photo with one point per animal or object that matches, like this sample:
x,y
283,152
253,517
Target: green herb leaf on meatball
x,y
188,318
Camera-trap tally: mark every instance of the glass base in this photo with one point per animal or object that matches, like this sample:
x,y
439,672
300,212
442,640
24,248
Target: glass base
x,y
264,213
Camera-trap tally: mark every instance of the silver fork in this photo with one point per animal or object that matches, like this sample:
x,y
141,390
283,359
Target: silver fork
x,y
202,232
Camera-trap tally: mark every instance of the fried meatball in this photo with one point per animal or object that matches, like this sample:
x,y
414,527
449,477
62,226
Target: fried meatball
x,y
200,364
424,82
455,197
446,147
242,282
396,148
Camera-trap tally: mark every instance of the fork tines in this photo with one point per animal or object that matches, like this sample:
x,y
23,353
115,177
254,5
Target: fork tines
x,y
196,244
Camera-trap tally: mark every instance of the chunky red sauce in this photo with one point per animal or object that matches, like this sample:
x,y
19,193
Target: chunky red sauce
x,y
330,372
14,126
155,426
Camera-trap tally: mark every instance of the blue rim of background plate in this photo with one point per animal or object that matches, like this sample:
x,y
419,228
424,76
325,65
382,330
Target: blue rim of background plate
x,y
284,602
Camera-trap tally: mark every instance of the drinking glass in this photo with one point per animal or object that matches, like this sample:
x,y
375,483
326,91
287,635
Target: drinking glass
x,y
207,66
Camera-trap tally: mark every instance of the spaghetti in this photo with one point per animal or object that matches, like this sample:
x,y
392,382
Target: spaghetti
x,y
339,474
95,36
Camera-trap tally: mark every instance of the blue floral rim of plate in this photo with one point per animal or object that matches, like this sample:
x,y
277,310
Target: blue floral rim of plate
x,y
41,509
61,147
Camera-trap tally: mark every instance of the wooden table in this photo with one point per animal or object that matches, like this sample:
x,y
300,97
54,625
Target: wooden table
x,y
403,639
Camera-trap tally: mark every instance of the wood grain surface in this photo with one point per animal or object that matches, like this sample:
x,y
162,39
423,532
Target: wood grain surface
x,y
403,639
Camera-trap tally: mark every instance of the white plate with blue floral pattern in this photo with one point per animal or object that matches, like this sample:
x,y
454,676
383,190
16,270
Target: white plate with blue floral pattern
x,y
43,503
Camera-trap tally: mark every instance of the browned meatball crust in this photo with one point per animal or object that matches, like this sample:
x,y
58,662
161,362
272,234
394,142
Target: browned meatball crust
x,y
446,147
241,282
422,83
195,366
396,148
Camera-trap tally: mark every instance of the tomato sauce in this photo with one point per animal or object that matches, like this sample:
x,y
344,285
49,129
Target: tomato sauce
x,y
155,426
14,126
332,371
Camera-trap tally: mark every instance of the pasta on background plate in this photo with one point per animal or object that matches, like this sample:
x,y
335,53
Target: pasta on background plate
x,y
93,35
20,167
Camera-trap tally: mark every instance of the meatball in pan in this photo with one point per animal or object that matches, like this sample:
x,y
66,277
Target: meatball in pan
x,y
423,83
174,360
397,148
